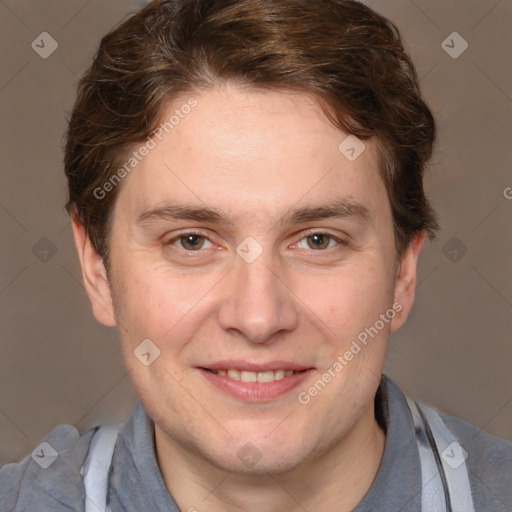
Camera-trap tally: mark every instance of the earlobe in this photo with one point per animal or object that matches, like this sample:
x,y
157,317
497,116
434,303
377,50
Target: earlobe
x,y
94,276
405,281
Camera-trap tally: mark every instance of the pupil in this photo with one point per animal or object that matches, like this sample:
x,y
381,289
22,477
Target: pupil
x,y
319,241
192,241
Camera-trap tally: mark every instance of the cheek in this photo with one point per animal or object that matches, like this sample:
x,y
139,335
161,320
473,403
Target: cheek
x,y
154,302
350,299
140,303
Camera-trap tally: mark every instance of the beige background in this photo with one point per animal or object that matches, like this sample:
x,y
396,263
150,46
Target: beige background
x,y
58,365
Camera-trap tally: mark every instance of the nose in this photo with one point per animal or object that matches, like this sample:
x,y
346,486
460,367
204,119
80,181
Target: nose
x,y
257,304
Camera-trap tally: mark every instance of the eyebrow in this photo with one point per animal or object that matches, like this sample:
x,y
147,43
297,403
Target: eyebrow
x,y
175,211
340,208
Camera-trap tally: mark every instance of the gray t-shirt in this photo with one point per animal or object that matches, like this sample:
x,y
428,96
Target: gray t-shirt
x,y
136,483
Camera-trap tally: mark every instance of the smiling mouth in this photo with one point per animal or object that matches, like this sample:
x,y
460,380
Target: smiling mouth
x,y
248,376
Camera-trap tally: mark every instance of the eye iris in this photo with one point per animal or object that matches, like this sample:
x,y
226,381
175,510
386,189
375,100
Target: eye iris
x,y
319,241
192,241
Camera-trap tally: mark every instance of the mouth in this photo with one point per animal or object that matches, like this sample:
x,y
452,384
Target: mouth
x,y
255,383
248,376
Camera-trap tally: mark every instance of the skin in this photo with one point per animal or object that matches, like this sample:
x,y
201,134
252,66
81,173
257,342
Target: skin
x,y
254,156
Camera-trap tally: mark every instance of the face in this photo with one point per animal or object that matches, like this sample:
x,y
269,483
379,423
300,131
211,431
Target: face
x,y
254,255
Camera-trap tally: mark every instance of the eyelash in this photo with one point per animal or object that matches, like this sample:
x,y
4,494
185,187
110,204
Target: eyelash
x,y
187,233
206,237
331,237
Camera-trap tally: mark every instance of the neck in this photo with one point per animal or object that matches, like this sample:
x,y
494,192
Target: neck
x,y
336,480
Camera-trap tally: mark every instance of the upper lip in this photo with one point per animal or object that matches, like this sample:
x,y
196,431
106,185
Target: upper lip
x,y
255,367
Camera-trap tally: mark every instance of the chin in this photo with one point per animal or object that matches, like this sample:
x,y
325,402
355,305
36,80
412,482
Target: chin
x,y
258,458
269,463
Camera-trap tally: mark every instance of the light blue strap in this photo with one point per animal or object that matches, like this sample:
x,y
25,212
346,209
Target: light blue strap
x,y
432,489
445,475
453,460
96,468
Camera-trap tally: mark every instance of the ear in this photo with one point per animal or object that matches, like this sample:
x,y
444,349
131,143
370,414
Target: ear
x,y
94,276
405,280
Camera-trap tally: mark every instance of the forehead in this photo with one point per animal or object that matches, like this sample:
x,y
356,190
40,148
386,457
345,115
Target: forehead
x,y
261,152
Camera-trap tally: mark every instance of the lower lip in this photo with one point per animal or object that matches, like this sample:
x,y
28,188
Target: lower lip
x,y
256,391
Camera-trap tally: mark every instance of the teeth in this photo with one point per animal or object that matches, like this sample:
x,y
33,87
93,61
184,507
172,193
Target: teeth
x,y
234,374
245,376
279,374
265,376
248,376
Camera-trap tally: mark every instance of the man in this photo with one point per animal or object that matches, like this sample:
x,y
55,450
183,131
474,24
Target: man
x,y
245,185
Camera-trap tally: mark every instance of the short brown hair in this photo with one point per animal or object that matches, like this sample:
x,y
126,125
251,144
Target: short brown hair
x,y
347,56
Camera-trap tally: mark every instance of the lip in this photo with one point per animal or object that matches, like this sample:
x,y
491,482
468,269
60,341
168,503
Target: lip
x,y
255,367
255,391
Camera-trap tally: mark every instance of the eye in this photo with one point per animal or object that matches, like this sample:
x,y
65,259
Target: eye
x,y
190,241
318,241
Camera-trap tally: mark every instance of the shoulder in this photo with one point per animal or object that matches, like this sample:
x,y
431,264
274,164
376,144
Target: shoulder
x,y
489,463
488,459
49,479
